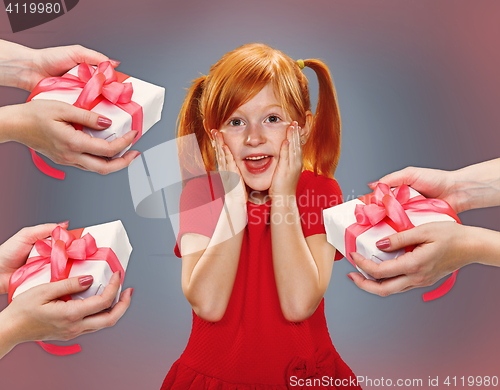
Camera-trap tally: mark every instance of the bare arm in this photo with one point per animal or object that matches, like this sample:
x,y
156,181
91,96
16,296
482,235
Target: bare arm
x,y
22,67
468,188
479,184
209,264
302,266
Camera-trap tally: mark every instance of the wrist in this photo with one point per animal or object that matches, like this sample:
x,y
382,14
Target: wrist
x,y
11,122
9,331
284,200
467,245
16,65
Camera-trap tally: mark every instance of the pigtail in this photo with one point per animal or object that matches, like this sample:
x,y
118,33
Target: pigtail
x,y
322,151
190,121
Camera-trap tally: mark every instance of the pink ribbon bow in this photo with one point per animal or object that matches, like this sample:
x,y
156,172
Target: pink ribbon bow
x,y
391,206
60,251
97,84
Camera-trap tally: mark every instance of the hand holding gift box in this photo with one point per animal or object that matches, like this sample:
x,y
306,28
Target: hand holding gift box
x,y
99,251
357,225
130,103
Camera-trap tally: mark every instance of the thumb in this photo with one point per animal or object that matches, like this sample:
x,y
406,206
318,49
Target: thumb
x,y
86,118
91,57
404,176
414,236
51,291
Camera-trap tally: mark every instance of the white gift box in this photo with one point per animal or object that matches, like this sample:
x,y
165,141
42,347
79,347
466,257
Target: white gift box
x,y
108,235
149,96
338,218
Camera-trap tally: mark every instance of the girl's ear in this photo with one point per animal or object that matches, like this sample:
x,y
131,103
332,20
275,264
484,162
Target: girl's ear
x,y
304,133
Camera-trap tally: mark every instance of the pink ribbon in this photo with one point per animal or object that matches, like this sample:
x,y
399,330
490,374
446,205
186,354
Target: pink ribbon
x,y
391,206
97,84
60,251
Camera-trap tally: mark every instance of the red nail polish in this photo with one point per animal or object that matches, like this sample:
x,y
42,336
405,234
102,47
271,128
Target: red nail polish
x,y
350,277
138,154
131,292
86,280
104,122
385,243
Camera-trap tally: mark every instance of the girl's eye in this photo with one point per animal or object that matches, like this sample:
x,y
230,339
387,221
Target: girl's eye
x,y
235,122
273,119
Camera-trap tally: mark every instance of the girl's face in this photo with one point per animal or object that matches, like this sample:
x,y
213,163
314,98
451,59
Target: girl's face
x,y
254,134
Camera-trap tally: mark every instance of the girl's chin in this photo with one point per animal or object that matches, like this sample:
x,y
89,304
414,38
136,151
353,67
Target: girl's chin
x,y
254,185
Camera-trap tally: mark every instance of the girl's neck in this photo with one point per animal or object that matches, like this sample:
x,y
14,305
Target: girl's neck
x,y
257,197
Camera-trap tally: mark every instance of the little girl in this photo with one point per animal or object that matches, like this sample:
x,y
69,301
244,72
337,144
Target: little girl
x,y
255,260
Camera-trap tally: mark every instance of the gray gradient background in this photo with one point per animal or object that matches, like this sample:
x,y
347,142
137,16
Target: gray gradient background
x,y
418,84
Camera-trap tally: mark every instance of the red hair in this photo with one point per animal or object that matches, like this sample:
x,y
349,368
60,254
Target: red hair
x,y
240,75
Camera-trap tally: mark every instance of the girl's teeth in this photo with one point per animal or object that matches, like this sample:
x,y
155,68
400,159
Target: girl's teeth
x,y
256,158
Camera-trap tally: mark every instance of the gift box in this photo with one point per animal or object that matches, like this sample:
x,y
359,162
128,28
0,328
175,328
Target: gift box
x,y
99,251
111,238
356,225
131,104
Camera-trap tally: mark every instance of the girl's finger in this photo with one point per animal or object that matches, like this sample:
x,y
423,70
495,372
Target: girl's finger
x,y
230,163
222,154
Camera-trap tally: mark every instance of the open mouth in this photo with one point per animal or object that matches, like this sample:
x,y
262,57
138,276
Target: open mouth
x,y
257,164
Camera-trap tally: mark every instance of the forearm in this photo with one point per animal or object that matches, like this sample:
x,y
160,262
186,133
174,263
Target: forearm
x,y
8,338
11,122
297,273
210,284
478,185
16,64
483,246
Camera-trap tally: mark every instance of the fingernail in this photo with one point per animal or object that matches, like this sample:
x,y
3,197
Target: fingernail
x,y
86,281
134,132
131,292
138,154
115,63
119,274
372,184
104,122
65,223
350,277
383,244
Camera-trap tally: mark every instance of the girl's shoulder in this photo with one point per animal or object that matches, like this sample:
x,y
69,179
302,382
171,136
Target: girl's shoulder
x,y
311,184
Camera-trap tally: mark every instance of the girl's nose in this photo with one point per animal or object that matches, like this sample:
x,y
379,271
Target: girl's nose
x,y
254,135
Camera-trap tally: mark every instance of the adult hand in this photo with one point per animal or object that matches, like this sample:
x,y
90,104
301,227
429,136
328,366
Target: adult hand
x,y
55,61
432,183
442,248
45,126
37,314
14,252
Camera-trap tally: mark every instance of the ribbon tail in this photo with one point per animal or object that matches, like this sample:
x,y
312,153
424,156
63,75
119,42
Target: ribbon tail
x,y
441,290
46,168
58,349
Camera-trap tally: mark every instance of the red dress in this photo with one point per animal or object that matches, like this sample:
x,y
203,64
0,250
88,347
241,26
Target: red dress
x,y
253,346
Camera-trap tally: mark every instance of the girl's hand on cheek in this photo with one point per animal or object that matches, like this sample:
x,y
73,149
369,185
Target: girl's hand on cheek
x,y
234,186
290,163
